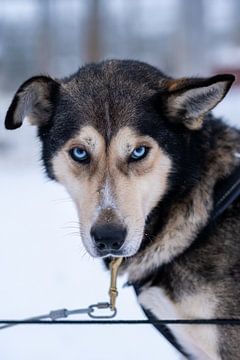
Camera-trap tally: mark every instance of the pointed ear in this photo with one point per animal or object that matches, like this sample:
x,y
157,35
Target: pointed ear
x,y
34,99
188,100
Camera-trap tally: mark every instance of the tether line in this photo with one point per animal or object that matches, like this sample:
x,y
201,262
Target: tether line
x,y
123,322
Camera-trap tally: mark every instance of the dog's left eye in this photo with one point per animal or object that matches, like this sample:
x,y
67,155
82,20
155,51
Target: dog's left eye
x,y
139,153
79,155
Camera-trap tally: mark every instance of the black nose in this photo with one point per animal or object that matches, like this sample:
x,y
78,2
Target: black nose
x,y
108,237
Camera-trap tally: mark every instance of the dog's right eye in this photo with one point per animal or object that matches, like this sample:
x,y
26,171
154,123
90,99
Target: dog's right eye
x,y
79,155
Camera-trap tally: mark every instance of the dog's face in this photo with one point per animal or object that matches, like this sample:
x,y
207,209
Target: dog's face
x,y
109,183
116,135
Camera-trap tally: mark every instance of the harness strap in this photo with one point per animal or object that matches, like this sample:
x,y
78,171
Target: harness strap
x,y
163,329
226,191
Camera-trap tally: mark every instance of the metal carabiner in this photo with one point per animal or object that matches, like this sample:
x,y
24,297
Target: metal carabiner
x,y
102,305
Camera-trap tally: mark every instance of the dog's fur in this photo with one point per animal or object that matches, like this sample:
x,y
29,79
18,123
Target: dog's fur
x,y
163,200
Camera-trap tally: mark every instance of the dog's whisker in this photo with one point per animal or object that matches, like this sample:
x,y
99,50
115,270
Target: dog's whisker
x,y
69,227
83,252
72,222
72,234
63,200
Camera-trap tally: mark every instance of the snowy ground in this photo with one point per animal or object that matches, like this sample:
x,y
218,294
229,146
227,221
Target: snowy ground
x,y
43,267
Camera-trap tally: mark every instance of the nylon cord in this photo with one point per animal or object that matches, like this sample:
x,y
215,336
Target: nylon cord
x,y
123,322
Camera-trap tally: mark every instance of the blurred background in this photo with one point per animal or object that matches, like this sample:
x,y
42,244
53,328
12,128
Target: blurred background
x,y
42,263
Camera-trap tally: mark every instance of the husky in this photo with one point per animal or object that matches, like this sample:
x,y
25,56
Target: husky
x,y
141,154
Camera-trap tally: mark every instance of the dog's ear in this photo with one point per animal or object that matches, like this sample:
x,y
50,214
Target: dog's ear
x,y
34,99
188,100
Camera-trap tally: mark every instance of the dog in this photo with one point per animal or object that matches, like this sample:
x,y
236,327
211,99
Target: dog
x,y
140,154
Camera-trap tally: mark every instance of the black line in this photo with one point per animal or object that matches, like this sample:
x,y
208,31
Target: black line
x,y
123,322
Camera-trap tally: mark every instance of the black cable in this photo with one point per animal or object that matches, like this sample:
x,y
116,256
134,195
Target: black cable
x,y
123,322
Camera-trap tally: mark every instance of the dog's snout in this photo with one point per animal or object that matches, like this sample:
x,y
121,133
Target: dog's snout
x,y
108,237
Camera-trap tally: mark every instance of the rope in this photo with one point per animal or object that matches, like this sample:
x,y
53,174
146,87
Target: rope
x,y
123,322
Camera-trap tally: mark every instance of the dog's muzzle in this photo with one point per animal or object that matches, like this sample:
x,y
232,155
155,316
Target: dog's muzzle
x,y
108,239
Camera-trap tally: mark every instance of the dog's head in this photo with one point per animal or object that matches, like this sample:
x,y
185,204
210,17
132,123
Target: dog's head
x,y
117,135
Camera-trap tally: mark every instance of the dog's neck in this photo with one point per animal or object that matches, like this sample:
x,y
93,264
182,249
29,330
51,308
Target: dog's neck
x,y
190,214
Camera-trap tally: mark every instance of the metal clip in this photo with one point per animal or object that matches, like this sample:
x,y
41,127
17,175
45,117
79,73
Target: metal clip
x,y
113,293
103,305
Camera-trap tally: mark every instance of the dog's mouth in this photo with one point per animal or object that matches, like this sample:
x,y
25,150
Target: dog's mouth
x,y
125,251
113,254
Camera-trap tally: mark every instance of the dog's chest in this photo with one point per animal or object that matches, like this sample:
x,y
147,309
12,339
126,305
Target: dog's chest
x,y
199,341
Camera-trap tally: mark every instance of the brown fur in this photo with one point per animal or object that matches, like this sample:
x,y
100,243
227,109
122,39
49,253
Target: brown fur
x,y
191,214
127,181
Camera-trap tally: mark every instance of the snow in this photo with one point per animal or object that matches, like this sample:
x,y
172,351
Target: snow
x,y
43,266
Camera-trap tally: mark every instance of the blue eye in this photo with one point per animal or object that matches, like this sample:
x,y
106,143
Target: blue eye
x,y
79,154
139,153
